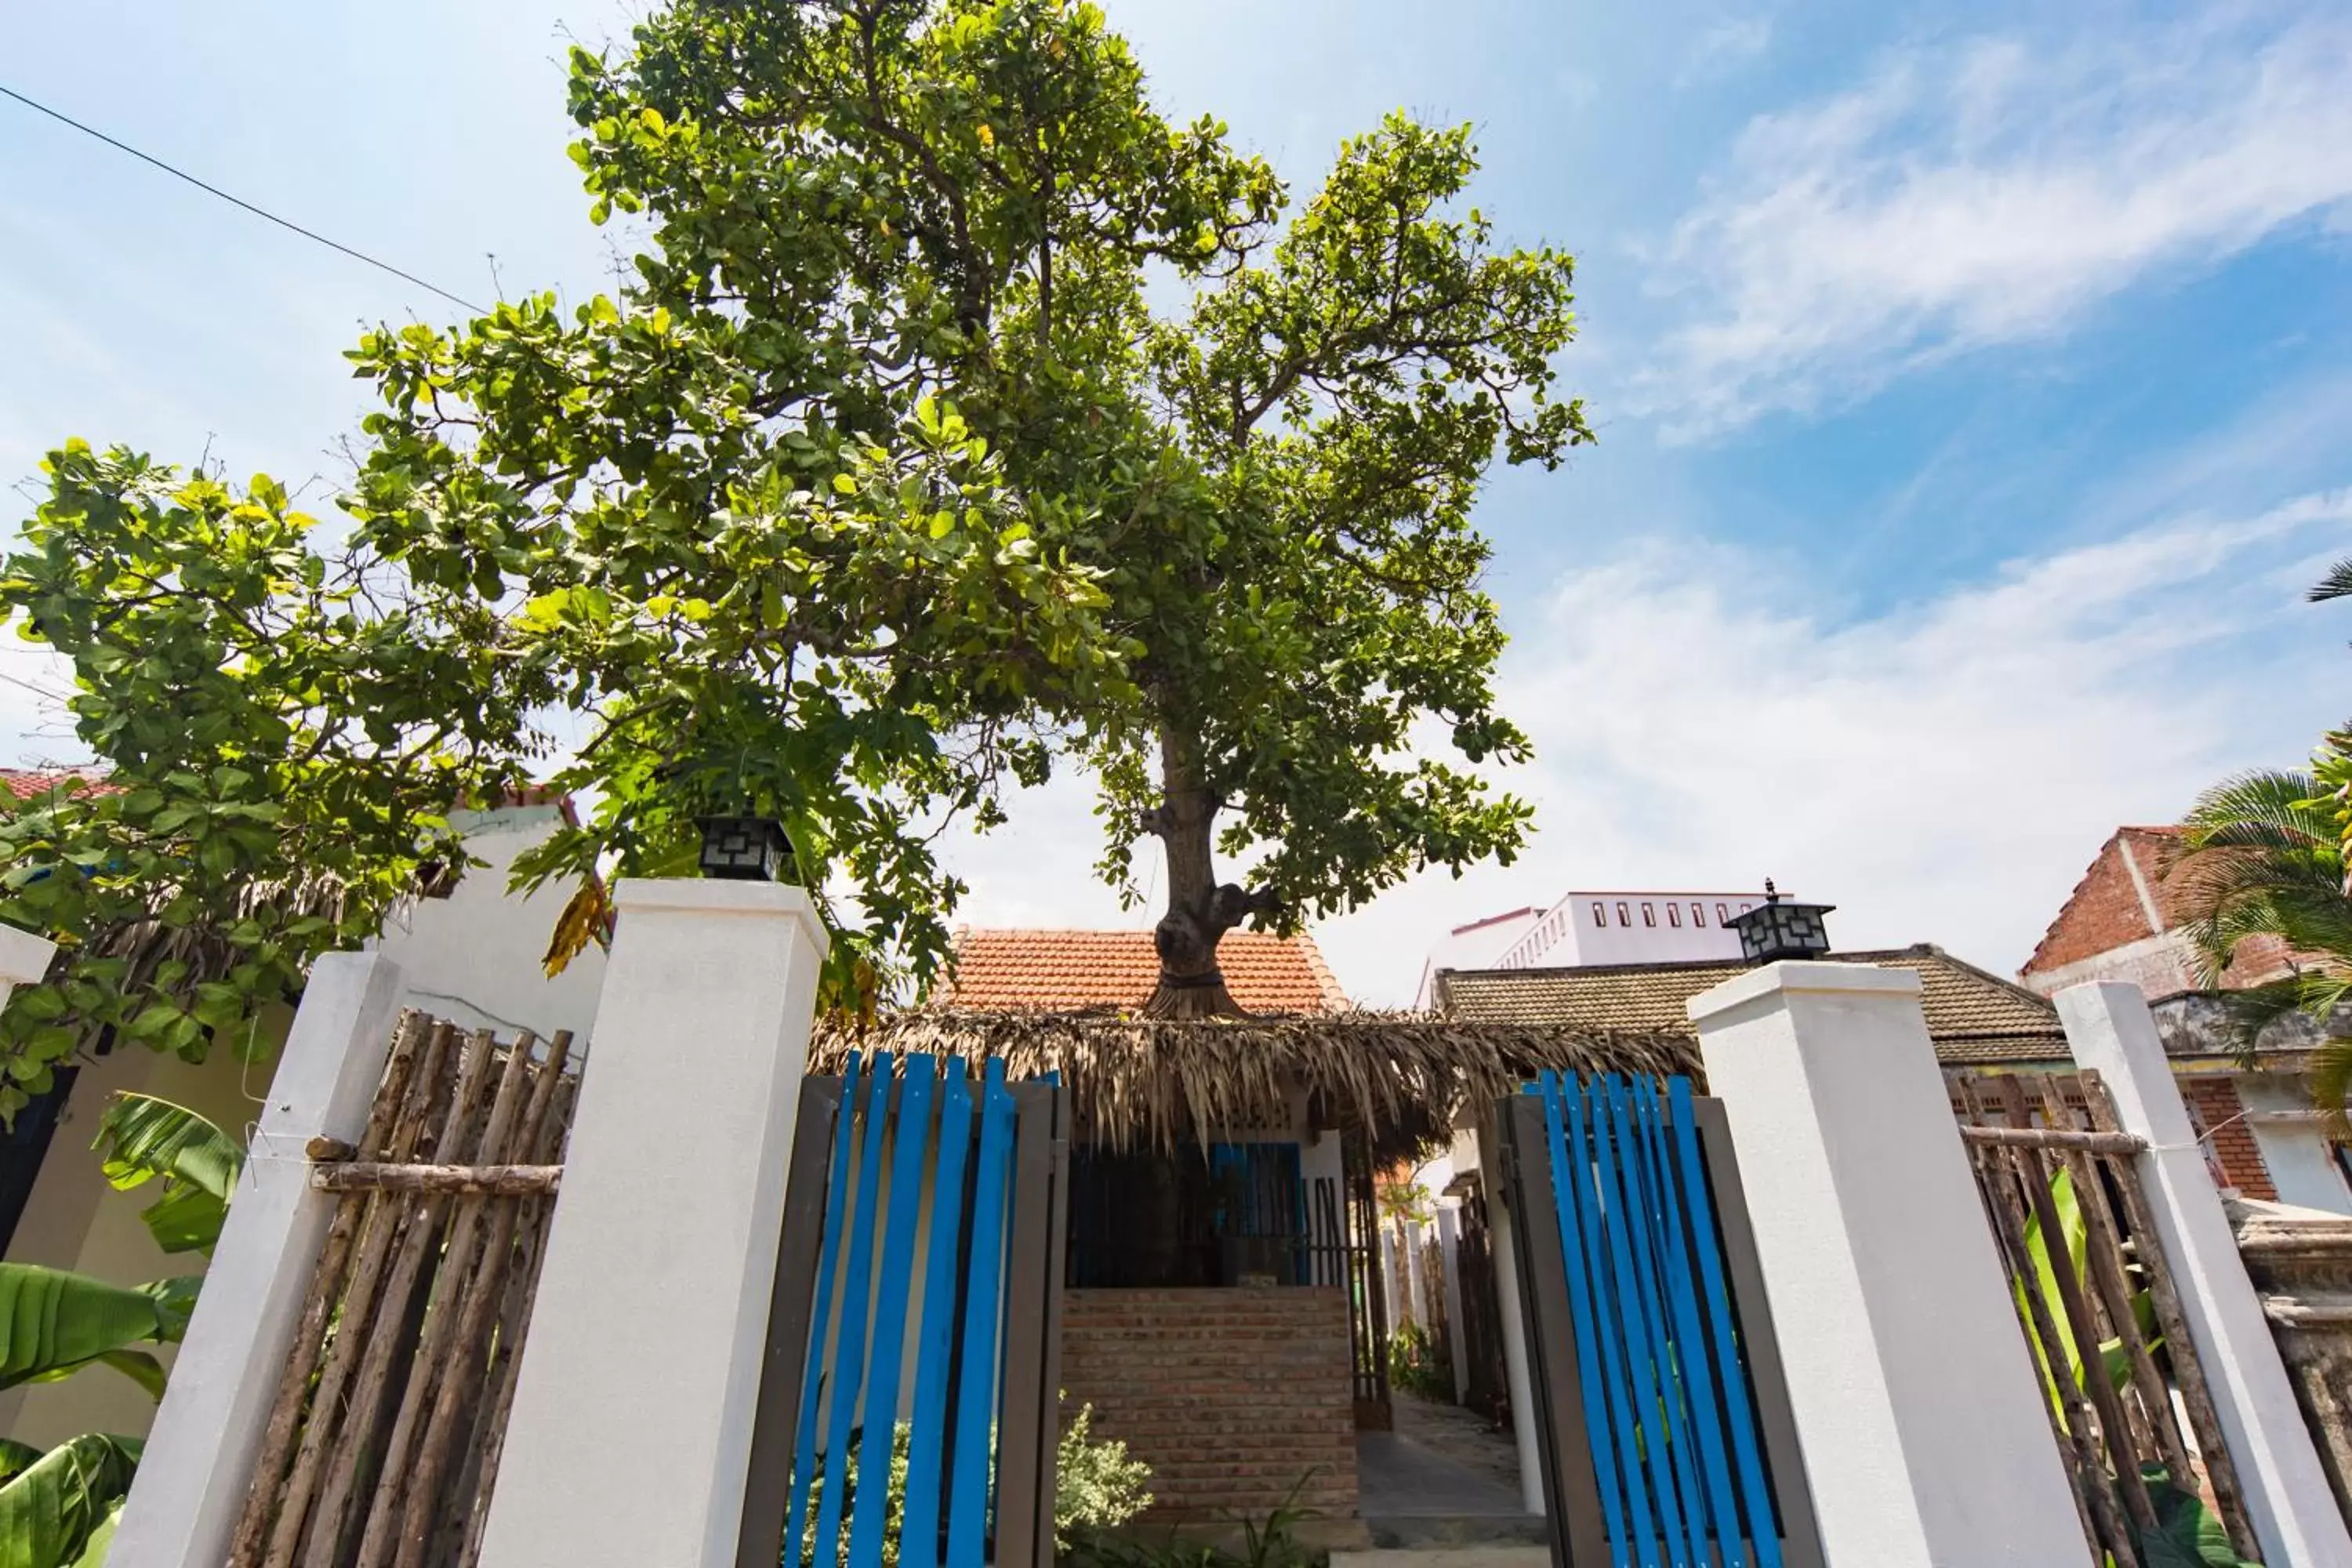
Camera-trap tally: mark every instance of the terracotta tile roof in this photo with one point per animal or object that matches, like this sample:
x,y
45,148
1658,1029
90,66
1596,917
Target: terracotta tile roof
x,y
1973,1017
1069,969
25,784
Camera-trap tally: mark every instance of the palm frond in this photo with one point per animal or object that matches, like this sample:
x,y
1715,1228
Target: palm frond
x,y
2262,808
2337,585
2330,1079
2259,879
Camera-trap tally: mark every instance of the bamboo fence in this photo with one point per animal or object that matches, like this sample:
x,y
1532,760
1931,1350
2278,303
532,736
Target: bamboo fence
x,y
2096,1298
383,1444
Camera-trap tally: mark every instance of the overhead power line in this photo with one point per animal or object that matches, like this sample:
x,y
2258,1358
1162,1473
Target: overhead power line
x,y
235,201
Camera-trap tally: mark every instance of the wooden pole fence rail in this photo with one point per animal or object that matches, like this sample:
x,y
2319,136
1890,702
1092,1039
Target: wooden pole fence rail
x,y
2055,1138
471,1181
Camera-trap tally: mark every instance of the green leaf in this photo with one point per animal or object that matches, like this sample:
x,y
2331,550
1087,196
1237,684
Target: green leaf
x,y
175,1302
53,1323
52,1510
101,1540
185,1219
2187,1535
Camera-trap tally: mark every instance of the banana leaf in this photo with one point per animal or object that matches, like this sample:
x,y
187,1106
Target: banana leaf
x,y
15,1457
94,1550
145,1139
50,1510
2187,1535
2115,1362
53,1323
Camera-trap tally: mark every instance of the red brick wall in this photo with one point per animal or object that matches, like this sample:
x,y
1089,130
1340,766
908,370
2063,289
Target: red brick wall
x,y
2104,913
1231,1396
2220,1116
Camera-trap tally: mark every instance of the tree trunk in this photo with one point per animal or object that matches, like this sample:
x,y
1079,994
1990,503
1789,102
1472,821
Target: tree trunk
x,y
1200,912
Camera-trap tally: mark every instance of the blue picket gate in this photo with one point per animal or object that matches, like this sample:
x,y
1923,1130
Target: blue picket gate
x,y
1661,1408
915,1320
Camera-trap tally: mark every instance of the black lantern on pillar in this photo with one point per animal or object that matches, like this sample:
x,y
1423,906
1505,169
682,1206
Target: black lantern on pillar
x,y
743,848
1773,929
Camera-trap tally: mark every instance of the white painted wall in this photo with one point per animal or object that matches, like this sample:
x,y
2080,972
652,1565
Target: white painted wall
x,y
2160,965
2294,1142
1474,946
475,958
1320,1160
208,1436
1652,927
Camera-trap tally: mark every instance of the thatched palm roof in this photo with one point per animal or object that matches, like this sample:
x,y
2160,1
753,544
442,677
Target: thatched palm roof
x,y
1152,1083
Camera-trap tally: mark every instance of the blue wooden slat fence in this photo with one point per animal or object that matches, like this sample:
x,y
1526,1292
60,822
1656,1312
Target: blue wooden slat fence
x,y
968,1495
918,1545
1667,1415
914,1279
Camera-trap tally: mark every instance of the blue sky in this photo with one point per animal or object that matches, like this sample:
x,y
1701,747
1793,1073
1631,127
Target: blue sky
x,y
1973,386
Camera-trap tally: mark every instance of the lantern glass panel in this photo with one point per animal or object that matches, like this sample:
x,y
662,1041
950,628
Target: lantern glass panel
x,y
743,848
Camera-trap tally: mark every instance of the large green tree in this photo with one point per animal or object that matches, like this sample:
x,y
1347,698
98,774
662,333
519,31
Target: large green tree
x,y
959,415
1259,424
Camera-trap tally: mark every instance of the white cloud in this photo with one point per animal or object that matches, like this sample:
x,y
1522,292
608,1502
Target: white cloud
x,y
1989,191
1941,771
1725,46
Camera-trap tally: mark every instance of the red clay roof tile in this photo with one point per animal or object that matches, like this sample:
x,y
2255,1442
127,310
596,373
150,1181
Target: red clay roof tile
x,y
25,784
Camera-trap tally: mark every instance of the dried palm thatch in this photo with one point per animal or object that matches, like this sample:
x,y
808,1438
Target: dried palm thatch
x,y
1160,1083
147,944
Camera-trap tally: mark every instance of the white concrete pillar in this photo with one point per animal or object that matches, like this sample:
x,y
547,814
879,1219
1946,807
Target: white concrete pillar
x,y
1516,1375
1917,1409
200,1452
1415,1285
1388,1291
2287,1498
649,1330
1449,1243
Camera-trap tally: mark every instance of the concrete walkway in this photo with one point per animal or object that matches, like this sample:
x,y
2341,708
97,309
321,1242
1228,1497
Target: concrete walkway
x,y
1397,1477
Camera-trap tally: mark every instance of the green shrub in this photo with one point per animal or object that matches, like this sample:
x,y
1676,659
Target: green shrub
x,y
1268,1542
1421,1365
1096,1486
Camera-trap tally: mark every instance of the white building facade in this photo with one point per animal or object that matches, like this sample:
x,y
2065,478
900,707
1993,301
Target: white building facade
x,y
1594,927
